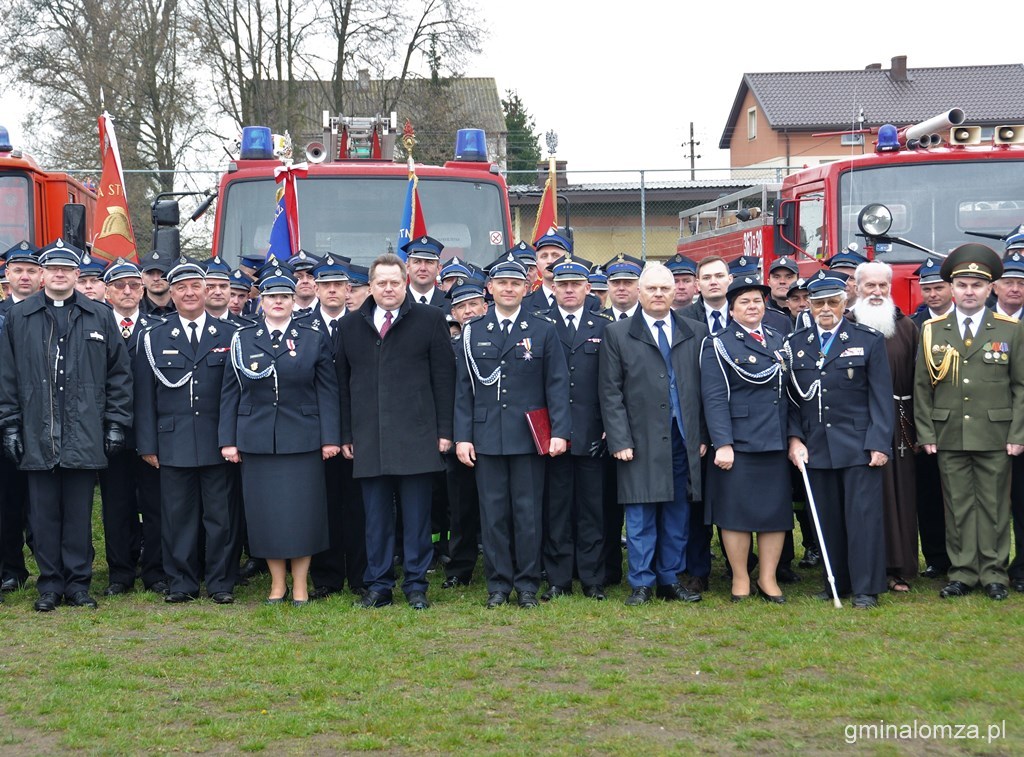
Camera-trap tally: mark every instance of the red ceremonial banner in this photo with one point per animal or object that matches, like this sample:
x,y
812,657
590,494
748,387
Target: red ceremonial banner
x,y
112,235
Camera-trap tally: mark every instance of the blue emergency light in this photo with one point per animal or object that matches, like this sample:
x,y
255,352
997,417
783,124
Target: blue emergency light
x,y
5,140
471,145
888,139
257,143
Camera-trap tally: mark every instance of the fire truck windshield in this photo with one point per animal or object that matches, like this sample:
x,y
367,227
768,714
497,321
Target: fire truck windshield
x,y
934,204
359,216
15,210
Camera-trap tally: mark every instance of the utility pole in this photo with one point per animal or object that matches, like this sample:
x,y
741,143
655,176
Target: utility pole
x,y
692,144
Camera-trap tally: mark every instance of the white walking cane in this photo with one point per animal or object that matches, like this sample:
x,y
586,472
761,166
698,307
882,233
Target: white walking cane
x,y
821,539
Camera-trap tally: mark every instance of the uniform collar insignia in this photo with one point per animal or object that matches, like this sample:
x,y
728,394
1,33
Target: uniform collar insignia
x,y
843,336
523,325
175,331
212,330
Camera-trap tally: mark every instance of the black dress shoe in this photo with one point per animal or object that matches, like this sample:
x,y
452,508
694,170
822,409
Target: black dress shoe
x,y
695,583
80,599
496,599
775,599
116,588
594,592
678,593
786,575
1018,584
277,600
322,592
932,571
865,601
454,582
375,599
252,568
48,602
811,559
641,595
223,597
955,589
418,600
996,591
554,592
11,584
178,597
158,587
527,599
359,591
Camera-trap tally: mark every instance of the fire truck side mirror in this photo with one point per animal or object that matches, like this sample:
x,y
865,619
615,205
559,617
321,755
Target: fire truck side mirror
x,y
74,224
166,237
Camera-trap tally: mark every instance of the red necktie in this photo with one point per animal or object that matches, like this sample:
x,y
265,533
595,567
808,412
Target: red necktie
x,y
386,326
757,336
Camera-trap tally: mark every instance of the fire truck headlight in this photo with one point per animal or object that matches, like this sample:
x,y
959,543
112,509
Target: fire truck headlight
x,y
257,143
875,220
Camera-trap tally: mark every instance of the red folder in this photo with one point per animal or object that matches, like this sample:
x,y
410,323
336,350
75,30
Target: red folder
x,y
540,429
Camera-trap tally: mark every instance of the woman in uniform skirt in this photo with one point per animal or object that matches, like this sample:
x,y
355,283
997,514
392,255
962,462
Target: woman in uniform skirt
x,y
280,418
745,405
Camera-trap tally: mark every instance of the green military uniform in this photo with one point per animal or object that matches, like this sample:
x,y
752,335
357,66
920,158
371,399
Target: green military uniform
x,y
969,402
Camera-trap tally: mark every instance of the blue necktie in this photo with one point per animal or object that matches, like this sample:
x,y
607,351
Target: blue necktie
x,y
663,345
717,321
673,393
826,340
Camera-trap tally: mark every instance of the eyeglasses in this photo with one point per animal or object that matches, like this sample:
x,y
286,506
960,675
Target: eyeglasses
x,y
126,284
832,302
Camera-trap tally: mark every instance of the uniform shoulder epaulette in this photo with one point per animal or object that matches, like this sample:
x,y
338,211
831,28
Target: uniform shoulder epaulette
x,y
770,331
1001,317
543,316
308,326
475,318
864,327
247,326
600,314
936,319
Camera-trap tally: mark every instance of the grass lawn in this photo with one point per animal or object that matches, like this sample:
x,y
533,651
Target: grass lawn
x,y
573,677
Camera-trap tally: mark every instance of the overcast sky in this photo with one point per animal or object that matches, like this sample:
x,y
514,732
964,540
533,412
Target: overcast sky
x,y
620,82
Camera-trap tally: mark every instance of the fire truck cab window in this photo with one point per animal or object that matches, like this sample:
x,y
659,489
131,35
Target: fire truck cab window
x,y
811,220
15,211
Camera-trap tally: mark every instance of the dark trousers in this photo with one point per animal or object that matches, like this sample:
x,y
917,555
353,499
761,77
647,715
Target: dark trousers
x,y
346,526
199,528
849,502
511,488
13,512
130,487
657,532
698,542
440,522
574,520
931,518
464,515
379,495
613,522
60,515
1017,512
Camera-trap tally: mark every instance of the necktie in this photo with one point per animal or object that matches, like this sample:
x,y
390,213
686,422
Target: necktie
x,y
126,327
551,301
826,339
275,339
570,326
194,336
716,319
623,316
506,326
968,334
423,299
673,394
757,336
666,351
386,326
333,325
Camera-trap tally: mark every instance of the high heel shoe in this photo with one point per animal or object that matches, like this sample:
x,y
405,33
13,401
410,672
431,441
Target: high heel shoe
x,y
777,599
740,597
277,600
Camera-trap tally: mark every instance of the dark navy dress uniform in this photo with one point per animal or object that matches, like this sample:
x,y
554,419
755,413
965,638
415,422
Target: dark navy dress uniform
x,y
179,425
529,373
841,424
279,406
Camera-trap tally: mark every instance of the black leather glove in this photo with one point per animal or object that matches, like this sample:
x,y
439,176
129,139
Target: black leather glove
x,y
13,448
113,439
599,448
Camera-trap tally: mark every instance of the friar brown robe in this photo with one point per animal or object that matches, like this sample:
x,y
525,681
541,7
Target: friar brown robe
x,y
899,488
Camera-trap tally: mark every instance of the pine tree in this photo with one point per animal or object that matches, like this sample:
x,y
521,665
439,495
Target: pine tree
x,y
523,150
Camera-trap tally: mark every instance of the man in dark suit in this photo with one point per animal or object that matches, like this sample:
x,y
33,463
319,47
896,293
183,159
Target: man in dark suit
x,y
423,259
651,406
511,364
397,378
840,425
180,368
574,530
130,488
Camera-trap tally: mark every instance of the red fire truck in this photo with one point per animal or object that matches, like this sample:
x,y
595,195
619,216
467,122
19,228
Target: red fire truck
x,y
918,195
351,200
32,201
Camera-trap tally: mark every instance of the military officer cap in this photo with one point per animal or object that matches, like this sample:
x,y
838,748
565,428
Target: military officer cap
x,y
184,270
800,285
217,269
453,268
524,253
972,260
60,254
464,289
240,281
277,282
331,269
826,284
598,279
741,284
253,261
154,260
681,265
744,265
553,240
24,251
122,268
1013,265
929,272
3,274
571,269
624,266
358,275
1015,241
569,257
272,264
424,248
507,267
303,261
91,267
848,258
784,263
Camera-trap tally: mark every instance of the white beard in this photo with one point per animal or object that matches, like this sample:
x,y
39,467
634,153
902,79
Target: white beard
x,y
881,317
